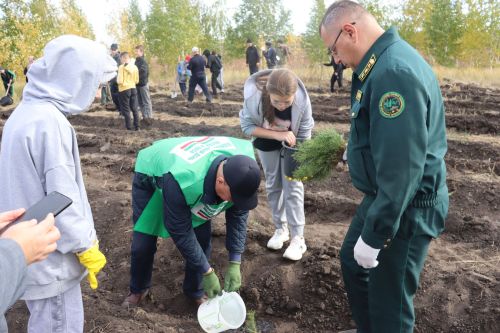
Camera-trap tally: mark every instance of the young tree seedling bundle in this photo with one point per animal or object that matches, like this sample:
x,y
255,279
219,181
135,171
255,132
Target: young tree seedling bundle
x,y
318,157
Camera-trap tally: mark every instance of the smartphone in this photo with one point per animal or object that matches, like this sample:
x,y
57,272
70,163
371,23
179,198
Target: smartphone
x,y
54,203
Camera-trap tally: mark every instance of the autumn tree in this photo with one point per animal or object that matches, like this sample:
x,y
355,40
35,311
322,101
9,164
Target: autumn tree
x,y
311,40
25,28
127,28
444,28
172,27
259,20
73,21
214,25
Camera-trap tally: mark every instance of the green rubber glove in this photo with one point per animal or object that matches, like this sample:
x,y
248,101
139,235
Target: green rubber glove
x,y
211,284
232,279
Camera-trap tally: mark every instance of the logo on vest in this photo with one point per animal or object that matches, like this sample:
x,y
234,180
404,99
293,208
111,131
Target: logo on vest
x,y
207,212
193,150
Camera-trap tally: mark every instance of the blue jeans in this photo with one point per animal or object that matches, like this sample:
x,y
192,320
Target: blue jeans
x,y
144,246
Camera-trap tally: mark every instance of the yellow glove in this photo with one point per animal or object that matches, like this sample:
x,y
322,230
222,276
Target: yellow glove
x,y
94,261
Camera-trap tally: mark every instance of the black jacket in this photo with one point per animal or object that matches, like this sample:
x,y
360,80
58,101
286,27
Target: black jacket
x,y
253,56
214,63
142,65
197,66
337,68
270,56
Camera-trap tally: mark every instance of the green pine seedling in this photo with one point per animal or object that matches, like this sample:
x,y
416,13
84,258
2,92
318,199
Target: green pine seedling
x,y
318,157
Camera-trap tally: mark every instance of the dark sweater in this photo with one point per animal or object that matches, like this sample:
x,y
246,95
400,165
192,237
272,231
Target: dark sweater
x,y
142,65
197,66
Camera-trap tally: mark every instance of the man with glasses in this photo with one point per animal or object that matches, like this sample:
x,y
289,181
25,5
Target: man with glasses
x,y
396,154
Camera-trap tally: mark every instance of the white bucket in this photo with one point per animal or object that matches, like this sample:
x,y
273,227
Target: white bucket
x,y
222,313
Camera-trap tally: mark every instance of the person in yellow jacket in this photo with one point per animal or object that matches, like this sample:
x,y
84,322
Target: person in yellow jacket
x,y
128,77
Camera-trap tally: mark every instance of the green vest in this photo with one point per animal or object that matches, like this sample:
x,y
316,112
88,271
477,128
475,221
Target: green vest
x,y
188,160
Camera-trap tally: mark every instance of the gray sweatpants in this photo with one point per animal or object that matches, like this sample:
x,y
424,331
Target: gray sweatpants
x,y
58,314
144,101
286,198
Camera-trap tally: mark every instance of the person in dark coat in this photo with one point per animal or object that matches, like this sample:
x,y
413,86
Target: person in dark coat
x,y
197,66
113,85
253,57
142,87
31,59
270,55
215,65
337,75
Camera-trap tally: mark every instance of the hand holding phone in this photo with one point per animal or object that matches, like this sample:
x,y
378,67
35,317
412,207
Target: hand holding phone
x,y
37,240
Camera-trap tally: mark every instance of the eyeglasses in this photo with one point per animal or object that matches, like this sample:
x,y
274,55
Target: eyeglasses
x,y
332,49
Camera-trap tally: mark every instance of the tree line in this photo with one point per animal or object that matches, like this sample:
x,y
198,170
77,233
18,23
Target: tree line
x,y
446,32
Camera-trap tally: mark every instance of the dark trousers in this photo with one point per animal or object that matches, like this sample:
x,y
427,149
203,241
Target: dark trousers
x,y
215,83
198,80
336,77
182,86
128,102
381,298
143,247
253,68
115,94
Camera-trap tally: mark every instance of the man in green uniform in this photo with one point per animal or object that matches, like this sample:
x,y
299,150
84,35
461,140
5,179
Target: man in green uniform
x,y
8,78
180,184
396,154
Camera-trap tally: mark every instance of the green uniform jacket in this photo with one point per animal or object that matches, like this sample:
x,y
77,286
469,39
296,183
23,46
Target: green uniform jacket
x,y
397,141
187,159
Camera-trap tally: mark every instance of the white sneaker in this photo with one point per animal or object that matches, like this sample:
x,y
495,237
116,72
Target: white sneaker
x,y
296,248
280,236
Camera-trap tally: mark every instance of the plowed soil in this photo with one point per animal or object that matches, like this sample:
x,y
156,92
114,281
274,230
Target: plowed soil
x,y
460,284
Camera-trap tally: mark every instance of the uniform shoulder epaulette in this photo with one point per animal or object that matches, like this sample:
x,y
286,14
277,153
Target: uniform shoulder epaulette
x,y
368,68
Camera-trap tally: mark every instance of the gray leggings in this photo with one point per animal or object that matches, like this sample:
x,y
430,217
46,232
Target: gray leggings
x,y
286,198
58,314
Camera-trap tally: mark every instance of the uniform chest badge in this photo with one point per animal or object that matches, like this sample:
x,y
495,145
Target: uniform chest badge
x,y
391,104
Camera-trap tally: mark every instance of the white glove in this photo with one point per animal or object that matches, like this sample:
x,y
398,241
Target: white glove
x,y
365,255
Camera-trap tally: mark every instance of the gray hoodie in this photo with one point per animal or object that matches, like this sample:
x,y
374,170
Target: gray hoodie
x,y
252,116
39,154
12,276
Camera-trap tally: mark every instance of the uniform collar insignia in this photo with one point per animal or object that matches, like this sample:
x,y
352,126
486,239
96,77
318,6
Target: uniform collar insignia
x,y
359,94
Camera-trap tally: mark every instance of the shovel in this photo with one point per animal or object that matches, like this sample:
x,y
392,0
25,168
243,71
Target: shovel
x,y
173,94
8,88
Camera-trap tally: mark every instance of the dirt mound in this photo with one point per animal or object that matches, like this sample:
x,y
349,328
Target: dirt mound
x,y
461,279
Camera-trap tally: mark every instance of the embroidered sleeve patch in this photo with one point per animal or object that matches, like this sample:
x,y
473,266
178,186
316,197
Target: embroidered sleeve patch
x,y
391,104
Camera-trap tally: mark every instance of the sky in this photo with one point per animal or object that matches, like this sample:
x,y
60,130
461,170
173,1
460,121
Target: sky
x,y
99,11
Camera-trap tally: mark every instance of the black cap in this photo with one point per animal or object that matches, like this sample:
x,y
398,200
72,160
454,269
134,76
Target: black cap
x,y
114,46
249,40
242,174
